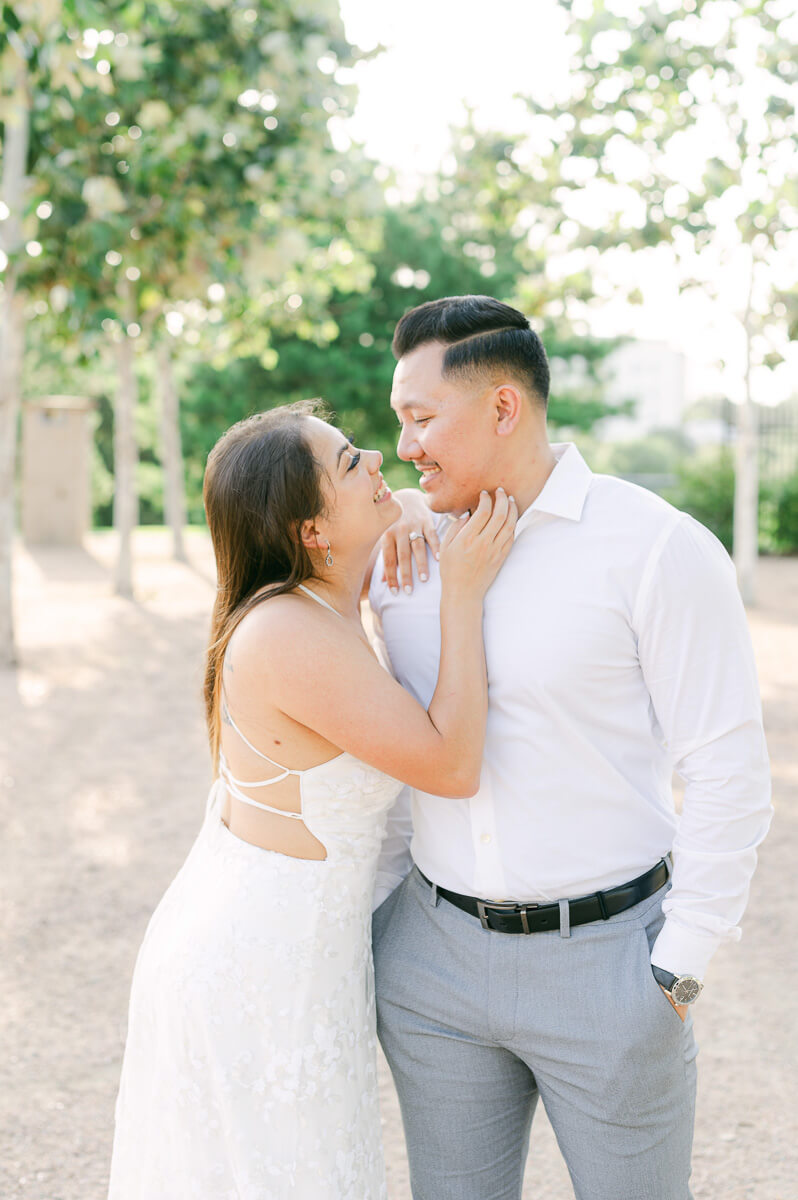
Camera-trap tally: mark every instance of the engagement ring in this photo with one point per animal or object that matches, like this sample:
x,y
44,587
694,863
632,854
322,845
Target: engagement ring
x,y
415,534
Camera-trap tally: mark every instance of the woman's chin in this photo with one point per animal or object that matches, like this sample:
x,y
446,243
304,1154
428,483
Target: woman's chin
x,y
390,510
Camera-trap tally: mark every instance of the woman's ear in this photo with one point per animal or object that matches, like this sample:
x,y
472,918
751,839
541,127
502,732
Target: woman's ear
x,y
309,536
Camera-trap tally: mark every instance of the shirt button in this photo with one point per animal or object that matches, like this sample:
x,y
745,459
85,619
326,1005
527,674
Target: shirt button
x,y
486,839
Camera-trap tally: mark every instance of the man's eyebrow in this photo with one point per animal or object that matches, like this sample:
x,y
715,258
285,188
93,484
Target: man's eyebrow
x,y
404,405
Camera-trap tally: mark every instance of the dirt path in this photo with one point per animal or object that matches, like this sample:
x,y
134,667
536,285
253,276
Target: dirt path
x,y
103,775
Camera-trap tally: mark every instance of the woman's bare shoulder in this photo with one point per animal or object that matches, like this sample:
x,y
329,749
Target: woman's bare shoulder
x,y
272,617
286,631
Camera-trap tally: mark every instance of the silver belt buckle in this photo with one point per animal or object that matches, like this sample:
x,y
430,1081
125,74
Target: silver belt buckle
x,y
508,907
524,922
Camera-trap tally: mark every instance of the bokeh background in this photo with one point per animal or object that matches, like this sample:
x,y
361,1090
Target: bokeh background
x,y
211,207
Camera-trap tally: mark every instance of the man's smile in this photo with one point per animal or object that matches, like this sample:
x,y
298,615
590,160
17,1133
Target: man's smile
x,y
427,471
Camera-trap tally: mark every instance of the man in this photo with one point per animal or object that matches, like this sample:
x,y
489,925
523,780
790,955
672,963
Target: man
x,y
538,946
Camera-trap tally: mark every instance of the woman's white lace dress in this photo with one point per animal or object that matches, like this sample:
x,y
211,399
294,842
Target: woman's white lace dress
x,y
250,1066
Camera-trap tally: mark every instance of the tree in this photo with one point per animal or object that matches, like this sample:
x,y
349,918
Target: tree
x,y
179,185
426,248
37,62
682,129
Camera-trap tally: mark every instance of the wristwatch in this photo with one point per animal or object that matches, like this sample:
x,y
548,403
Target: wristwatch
x,y
682,989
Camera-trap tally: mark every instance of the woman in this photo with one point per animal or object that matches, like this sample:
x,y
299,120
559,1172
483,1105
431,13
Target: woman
x,y
250,1066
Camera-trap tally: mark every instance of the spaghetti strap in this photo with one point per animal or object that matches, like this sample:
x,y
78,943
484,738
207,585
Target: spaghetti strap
x,y
254,749
318,599
234,787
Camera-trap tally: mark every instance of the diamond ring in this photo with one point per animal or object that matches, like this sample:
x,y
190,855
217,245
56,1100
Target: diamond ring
x,y
415,534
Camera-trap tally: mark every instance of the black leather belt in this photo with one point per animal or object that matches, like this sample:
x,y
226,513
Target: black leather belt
x,y
510,917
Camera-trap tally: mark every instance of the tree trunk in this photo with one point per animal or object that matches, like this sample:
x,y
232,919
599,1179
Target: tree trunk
x,y
171,451
125,457
12,342
746,474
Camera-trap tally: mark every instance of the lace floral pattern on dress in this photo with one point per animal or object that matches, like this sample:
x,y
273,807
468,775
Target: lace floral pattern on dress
x,y
250,1064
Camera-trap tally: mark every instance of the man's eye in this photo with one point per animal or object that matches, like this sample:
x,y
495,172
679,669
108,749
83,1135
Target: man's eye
x,y
354,462
422,420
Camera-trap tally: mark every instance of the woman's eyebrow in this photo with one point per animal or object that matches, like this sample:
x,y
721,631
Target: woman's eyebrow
x,y
345,446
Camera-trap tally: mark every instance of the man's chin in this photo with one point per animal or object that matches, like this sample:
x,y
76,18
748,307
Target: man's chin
x,y
455,506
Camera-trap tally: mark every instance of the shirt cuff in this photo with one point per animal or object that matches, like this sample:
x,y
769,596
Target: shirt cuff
x,y
682,951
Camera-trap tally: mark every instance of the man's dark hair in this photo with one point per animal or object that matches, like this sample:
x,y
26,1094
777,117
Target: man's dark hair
x,y
483,336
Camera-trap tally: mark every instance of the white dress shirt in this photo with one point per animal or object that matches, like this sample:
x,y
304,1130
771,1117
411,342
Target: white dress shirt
x,y
617,651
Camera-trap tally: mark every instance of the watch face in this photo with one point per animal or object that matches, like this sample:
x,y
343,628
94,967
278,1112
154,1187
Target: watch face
x,y
686,989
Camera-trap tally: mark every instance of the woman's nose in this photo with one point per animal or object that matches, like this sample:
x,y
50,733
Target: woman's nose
x,y
375,461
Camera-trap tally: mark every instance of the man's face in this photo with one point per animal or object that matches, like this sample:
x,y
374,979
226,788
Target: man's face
x,y
448,430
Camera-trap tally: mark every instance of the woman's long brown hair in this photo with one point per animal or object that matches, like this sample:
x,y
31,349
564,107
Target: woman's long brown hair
x,y
262,482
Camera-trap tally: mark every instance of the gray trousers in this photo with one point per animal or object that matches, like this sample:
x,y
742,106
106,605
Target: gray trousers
x,y
476,1025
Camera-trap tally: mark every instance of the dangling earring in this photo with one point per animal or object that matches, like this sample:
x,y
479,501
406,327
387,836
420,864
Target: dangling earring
x,y
329,559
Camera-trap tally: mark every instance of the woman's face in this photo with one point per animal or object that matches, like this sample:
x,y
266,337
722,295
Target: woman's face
x,y
360,505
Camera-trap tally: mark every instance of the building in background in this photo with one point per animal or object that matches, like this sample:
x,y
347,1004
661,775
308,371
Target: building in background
x,y
654,376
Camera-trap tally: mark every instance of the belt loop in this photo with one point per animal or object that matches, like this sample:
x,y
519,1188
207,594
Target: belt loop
x,y
605,916
565,919
668,864
433,899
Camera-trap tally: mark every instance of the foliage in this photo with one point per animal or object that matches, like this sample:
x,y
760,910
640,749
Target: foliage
x,y
662,452
464,234
197,187
208,160
414,260
705,489
681,128
786,533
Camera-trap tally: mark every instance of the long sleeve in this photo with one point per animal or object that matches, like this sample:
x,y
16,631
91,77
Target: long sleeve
x,y
697,661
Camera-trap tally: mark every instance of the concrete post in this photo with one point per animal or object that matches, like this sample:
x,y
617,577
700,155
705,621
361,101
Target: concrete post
x,y
56,470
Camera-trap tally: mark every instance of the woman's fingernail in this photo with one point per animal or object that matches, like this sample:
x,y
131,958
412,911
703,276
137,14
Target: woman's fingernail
x,y
423,578
408,589
437,554
500,489
512,499
394,591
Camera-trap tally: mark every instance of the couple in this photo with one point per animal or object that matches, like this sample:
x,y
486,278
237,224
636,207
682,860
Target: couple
x,y
576,640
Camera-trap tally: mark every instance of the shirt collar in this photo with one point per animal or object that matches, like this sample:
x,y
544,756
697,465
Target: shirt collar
x,y
562,495
564,492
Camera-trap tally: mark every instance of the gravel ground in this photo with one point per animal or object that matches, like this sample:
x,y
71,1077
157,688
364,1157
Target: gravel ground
x,y
103,777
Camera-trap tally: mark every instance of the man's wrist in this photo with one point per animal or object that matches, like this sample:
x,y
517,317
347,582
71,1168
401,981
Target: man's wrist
x,y
682,989
684,950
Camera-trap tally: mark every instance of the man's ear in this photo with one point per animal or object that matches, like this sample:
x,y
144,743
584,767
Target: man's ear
x,y
309,535
508,401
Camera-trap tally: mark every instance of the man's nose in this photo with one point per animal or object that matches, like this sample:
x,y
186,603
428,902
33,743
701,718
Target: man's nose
x,y
407,447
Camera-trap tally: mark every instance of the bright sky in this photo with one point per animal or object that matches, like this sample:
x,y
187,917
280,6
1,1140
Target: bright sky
x,y
442,55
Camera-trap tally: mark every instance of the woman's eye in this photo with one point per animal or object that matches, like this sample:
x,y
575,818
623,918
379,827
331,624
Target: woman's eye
x,y
354,462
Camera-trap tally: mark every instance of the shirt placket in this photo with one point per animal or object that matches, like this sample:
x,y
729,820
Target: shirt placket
x,y
489,873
